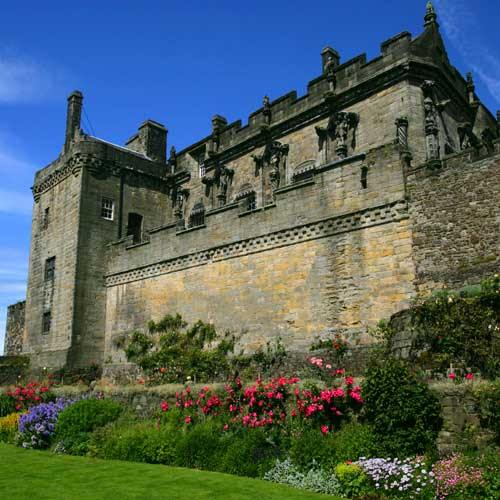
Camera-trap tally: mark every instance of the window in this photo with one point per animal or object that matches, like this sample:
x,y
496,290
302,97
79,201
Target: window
x,y
197,216
202,170
50,268
134,227
46,322
45,218
364,177
251,202
107,209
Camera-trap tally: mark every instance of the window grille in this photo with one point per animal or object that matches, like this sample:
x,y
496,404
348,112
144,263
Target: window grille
x,y
107,209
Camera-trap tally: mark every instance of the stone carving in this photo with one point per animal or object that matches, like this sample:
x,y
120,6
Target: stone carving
x,y
467,137
330,59
272,165
172,161
181,196
266,110
341,129
487,139
220,180
218,123
431,126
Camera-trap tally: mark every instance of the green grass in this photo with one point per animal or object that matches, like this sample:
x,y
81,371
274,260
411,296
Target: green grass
x,y
38,475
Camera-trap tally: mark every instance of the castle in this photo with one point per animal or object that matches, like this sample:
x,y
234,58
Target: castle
x,y
325,213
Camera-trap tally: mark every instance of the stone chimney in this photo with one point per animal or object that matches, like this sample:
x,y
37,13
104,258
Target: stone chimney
x,y
152,138
73,117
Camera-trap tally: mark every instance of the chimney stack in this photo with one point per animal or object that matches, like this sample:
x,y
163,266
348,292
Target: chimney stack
x,y
153,140
73,117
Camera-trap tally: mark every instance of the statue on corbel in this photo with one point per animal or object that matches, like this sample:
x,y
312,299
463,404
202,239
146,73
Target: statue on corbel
x,y
180,197
220,181
272,165
340,133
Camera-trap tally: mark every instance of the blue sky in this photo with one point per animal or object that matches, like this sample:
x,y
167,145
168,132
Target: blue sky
x,y
180,62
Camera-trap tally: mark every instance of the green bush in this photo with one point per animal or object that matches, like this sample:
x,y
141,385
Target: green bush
x,y
310,445
460,327
201,446
252,452
403,412
352,479
7,405
76,422
171,351
139,442
489,407
354,440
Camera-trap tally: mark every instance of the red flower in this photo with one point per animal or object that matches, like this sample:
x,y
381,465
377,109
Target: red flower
x,y
452,376
324,429
188,420
469,376
164,406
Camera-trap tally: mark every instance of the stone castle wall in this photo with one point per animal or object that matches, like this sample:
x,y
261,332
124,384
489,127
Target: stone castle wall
x,y
455,216
14,331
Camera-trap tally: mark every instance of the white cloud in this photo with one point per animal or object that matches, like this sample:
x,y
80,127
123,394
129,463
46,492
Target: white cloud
x,y
25,80
13,202
463,28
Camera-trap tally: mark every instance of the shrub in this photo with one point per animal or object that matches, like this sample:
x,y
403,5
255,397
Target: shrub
x,y
139,442
7,405
460,327
201,446
12,369
250,453
315,479
31,394
8,427
489,407
77,421
352,479
309,446
404,413
354,440
37,426
170,351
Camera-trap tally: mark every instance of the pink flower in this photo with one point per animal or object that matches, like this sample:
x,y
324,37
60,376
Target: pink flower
x,y
452,376
226,427
324,429
188,420
328,366
164,406
349,380
469,376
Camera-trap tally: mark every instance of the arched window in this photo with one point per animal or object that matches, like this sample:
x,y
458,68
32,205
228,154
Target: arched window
x,y
197,216
246,198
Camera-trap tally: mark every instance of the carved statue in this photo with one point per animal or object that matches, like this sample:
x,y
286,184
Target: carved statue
x,y
266,109
180,198
467,137
339,127
487,139
172,161
431,128
329,71
272,159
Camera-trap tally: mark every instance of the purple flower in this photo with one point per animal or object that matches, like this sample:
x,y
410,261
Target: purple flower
x,y
38,425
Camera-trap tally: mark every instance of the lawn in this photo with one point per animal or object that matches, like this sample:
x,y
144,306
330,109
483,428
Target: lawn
x,y
28,474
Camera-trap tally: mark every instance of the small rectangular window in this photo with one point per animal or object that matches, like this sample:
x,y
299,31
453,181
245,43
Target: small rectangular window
x,y
46,218
50,268
46,322
364,177
107,209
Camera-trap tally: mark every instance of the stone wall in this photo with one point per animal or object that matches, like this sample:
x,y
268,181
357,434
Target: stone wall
x,y
327,256
14,330
455,216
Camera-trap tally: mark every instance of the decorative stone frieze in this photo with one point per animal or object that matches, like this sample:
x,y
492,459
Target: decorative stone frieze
x,y
354,221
